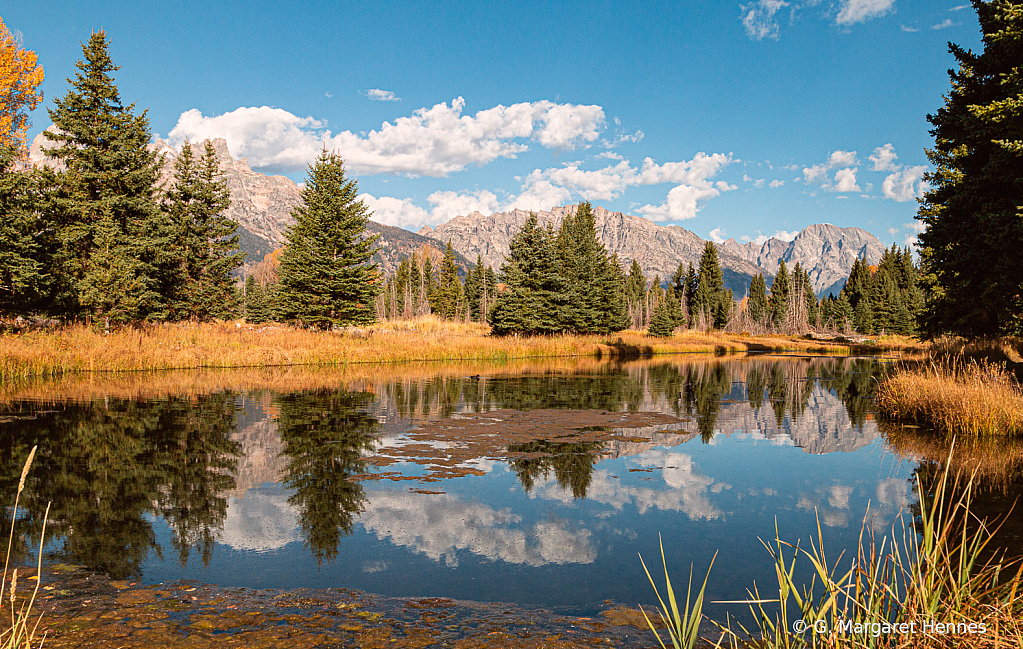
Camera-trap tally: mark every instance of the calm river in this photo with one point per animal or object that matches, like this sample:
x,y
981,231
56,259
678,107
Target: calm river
x,y
538,484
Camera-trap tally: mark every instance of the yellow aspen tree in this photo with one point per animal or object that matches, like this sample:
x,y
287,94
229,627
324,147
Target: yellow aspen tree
x,y
20,76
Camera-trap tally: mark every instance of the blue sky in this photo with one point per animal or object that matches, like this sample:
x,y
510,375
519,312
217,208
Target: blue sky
x,y
731,119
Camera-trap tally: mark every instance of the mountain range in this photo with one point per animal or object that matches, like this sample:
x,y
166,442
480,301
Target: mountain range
x,y
262,205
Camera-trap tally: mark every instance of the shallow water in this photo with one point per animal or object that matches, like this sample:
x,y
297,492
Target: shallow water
x,y
538,486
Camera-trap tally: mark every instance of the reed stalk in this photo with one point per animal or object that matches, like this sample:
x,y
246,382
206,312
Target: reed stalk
x,y
937,584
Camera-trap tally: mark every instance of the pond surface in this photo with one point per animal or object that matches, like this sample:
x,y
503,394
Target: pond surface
x,y
537,485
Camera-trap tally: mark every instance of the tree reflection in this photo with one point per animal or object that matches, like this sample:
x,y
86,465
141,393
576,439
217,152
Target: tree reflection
x,y
108,466
326,435
571,462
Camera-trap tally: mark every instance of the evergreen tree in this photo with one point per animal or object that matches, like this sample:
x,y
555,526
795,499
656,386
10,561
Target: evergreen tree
x,y
635,294
662,322
445,300
692,283
326,279
711,299
758,300
614,312
667,314
473,288
22,273
206,241
114,250
970,248
594,304
780,296
534,302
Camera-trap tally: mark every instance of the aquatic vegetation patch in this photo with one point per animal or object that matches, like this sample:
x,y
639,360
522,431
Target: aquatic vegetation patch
x,y
104,614
449,445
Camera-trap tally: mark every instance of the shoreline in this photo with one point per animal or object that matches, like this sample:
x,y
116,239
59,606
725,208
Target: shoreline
x,y
78,349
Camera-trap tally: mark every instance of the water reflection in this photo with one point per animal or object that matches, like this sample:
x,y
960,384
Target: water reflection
x,y
331,468
326,435
109,467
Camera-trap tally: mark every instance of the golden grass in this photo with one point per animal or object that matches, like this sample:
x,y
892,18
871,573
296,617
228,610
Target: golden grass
x,y
78,348
973,399
936,582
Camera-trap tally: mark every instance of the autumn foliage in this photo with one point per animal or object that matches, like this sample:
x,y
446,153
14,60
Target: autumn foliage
x,y
20,77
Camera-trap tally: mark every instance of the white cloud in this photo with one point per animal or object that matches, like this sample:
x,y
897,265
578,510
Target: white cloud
x,y
775,184
905,185
717,235
621,138
893,231
376,94
960,7
542,190
328,95
845,181
842,159
403,213
780,235
911,30
541,195
916,226
945,24
610,155
441,526
448,204
434,141
758,18
858,11
883,158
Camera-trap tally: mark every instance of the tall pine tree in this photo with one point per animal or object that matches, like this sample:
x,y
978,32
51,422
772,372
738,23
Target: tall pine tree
x,y
326,279
114,252
536,295
22,273
970,247
206,240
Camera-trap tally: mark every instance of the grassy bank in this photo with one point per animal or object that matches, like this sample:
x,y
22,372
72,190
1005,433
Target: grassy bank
x,y
960,388
935,582
76,349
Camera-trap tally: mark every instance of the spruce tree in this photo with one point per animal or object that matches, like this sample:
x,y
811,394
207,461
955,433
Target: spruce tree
x,y
473,288
114,252
536,295
205,239
970,248
780,296
594,304
326,279
758,300
662,322
446,298
22,272
711,298
692,284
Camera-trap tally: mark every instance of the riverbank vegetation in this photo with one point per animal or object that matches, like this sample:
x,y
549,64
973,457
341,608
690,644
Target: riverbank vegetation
x,y
80,348
937,582
958,397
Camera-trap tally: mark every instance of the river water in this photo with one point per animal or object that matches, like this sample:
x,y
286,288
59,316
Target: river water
x,y
537,484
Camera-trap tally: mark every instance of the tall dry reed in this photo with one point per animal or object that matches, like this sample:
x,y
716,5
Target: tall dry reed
x,y
21,630
958,397
937,584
